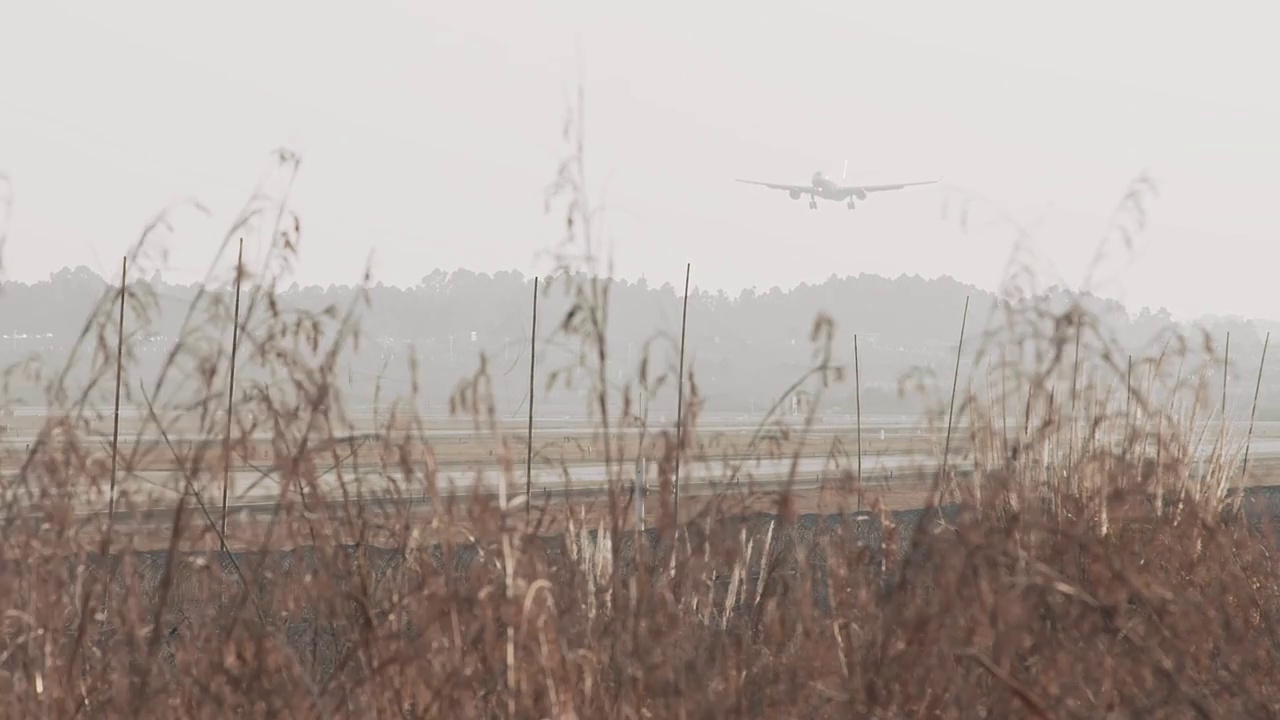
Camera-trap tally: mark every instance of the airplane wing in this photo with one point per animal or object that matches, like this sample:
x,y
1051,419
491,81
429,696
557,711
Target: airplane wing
x,y
897,186
776,186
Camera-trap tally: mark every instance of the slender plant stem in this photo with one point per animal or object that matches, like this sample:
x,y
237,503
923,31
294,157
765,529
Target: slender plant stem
x,y
857,400
684,318
533,356
1075,381
115,430
231,393
1226,369
955,381
1128,402
1004,402
1257,390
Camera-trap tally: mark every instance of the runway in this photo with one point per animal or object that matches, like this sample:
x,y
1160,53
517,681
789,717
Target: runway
x,y
258,487
569,431
154,489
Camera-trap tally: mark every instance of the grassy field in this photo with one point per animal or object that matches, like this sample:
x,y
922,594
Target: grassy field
x,y
1083,564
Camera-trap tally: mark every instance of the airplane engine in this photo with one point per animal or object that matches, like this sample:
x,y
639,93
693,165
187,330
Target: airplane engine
x,y
860,194
795,194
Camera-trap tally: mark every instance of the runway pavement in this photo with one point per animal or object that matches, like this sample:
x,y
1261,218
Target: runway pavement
x,y
571,431
252,488
161,489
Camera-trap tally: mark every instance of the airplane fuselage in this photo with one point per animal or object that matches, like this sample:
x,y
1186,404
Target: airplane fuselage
x,y
828,189
820,186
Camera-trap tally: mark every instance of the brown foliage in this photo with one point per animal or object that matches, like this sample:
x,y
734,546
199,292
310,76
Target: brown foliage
x,y
1104,582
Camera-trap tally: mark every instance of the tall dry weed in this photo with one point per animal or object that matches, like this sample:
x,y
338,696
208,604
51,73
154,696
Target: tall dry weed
x,y
1084,568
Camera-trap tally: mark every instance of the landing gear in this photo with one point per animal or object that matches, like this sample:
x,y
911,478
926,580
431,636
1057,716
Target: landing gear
x,y
813,203
849,204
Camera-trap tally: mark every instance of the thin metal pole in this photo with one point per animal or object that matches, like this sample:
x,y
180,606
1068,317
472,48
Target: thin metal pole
x,y
1253,413
1004,401
533,354
1226,369
115,430
1128,401
857,400
955,381
231,394
684,317
1075,392
640,488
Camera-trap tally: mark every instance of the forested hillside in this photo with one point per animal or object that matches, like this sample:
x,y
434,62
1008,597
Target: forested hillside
x,y
743,350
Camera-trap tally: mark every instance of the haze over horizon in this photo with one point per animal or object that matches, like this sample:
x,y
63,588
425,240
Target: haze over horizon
x,y
429,134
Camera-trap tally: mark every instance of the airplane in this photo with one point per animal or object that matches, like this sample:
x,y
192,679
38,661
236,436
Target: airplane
x,y
822,187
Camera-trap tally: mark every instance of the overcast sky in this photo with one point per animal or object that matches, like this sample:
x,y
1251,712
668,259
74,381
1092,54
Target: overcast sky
x,y
429,131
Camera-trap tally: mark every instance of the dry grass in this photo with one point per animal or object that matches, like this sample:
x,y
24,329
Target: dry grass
x,y
1088,568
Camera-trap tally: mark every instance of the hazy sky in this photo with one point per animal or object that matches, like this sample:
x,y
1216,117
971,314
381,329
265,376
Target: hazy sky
x,y
429,131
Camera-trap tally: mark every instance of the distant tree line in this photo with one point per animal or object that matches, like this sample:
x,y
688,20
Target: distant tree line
x,y
744,350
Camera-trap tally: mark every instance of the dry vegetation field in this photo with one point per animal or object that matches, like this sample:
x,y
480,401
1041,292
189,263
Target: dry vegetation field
x,y
1086,568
